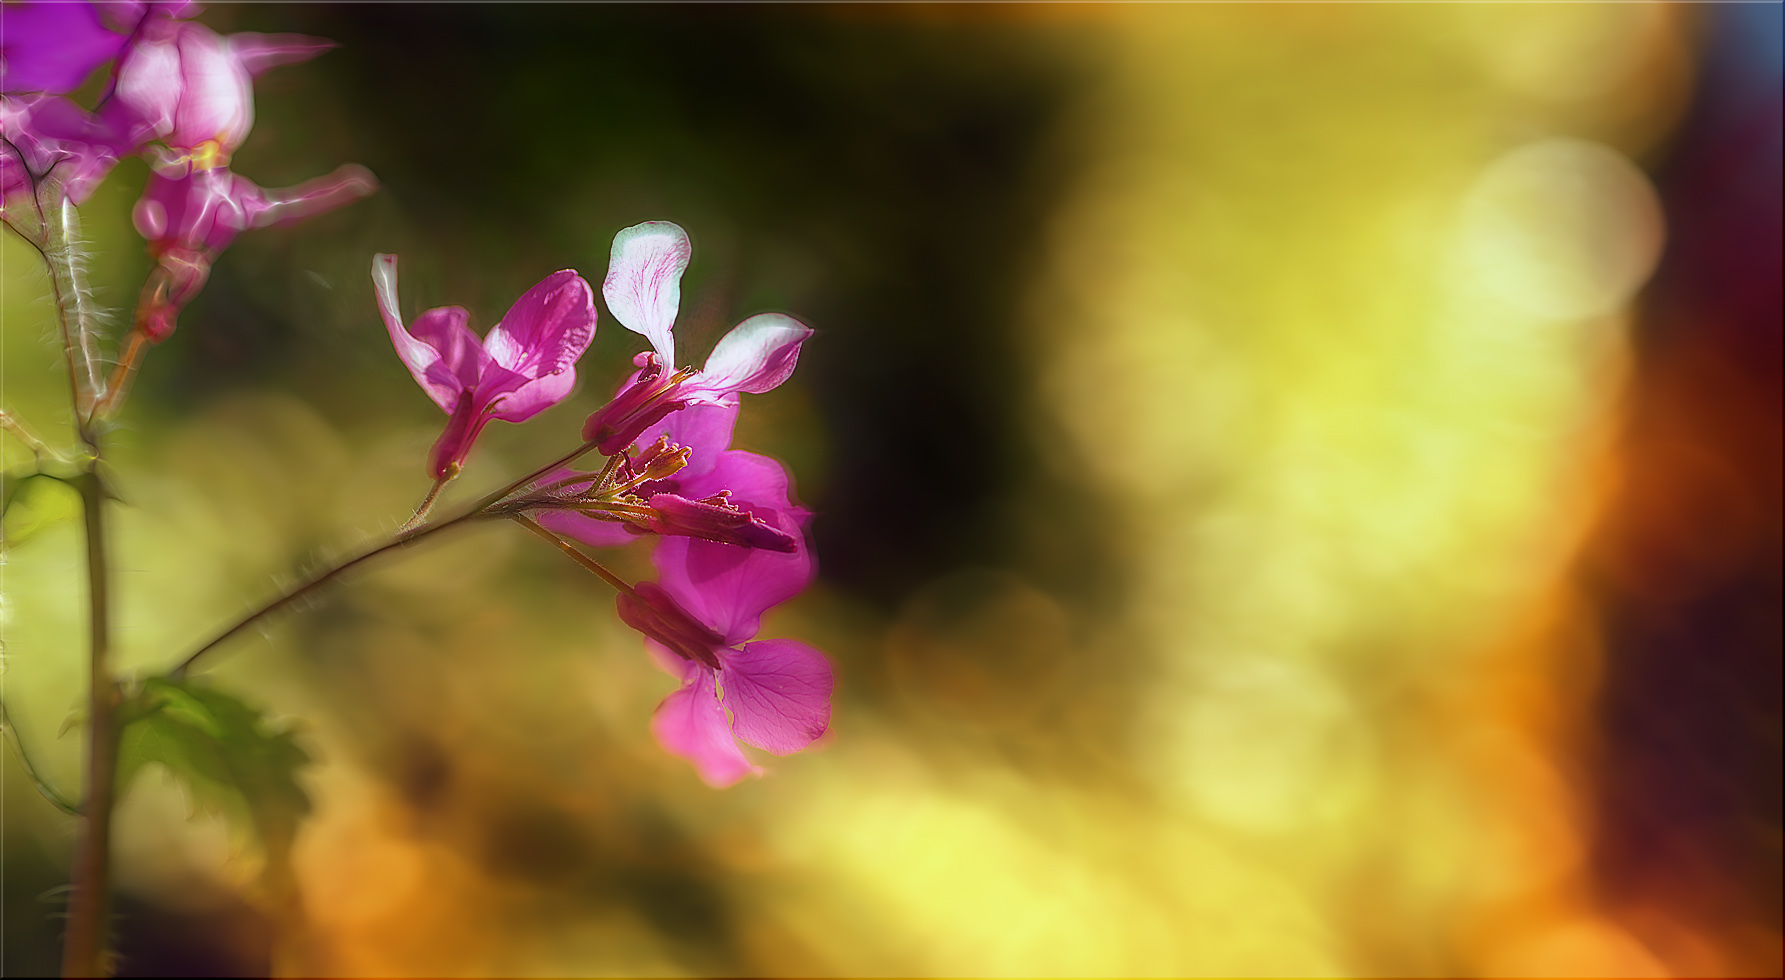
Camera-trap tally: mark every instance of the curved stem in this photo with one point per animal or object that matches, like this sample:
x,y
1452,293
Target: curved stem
x,y
402,540
577,556
49,792
317,582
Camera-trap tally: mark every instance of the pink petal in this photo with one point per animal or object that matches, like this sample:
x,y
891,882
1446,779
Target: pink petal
x,y
216,96
690,723
149,84
728,587
53,47
530,397
440,351
257,53
643,288
779,693
588,530
346,184
547,329
756,356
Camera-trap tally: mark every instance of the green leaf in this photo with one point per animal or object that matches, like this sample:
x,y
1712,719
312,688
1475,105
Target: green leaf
x,y
232,761
31,501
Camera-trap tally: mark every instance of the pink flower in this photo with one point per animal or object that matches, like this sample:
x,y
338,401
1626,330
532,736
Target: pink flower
x,y
525,364
52,47
183,84
700,621
189,220
47,135
643,290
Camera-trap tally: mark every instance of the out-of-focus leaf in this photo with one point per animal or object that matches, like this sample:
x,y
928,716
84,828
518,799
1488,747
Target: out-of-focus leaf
x,y
232,761
31,501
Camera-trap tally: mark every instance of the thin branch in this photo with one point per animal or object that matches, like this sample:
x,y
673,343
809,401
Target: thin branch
x,y
317,582
136,344
43,785
39,449
577,556
403,539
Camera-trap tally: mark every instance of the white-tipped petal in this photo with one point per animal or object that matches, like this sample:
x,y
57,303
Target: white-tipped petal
x,y
644,282
756,356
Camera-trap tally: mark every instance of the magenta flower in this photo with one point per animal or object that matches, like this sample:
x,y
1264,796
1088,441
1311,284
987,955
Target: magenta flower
x,y
643,290
183,84
524,365
189,220
700,621
47,135
52,47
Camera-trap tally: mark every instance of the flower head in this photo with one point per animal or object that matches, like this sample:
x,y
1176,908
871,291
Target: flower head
x,y
525,364
643,291
188,220
701,620
193,89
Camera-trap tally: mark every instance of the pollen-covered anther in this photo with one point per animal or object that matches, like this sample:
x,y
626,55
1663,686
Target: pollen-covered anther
x,y
660,460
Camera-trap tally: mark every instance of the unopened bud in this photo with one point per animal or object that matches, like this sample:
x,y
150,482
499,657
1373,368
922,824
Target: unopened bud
x,y
714,519
652,612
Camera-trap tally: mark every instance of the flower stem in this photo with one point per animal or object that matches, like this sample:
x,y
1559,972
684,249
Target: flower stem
x,y
83,954
577,556
136,344
68,279
427,502
403,539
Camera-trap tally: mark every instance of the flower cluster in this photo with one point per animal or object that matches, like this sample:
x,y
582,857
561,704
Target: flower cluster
x,y
730,540
179,95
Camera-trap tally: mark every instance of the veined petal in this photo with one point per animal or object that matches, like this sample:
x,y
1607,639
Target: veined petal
x,y
779,693
258,52
216,97
756,356
643,288
690,723
440,349
728,587
547,329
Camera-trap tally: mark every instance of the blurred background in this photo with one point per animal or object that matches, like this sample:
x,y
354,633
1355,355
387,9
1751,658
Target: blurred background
x,y
1297,493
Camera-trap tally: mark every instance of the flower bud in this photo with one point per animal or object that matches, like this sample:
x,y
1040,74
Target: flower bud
x,y
652,612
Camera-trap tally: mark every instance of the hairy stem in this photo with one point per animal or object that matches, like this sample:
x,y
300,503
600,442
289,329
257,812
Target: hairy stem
x,y
83,954
427,502
68,278
576,555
